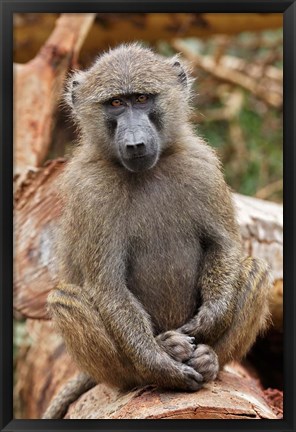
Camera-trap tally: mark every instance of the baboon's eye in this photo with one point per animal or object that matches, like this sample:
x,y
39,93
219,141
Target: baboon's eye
x,y
142,98
116,102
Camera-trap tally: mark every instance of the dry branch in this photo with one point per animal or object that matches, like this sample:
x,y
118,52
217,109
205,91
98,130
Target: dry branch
x,y
233,104
38,86
236,71
268,190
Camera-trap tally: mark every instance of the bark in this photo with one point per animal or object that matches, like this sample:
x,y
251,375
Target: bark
x,y
36,211
38,86
31,30
261,226
42,367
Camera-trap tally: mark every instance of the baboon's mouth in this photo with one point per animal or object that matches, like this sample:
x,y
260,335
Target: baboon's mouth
x,y
140,162
139,157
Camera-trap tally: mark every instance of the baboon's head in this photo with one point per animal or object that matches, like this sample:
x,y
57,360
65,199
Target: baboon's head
x,y
131,104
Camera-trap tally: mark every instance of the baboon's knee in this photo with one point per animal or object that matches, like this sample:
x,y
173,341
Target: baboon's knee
x,y
65,302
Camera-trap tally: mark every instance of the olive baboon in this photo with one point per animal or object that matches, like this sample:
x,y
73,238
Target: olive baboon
x,y
155,288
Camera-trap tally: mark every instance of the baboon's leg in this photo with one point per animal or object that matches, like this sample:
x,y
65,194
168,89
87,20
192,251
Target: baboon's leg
x,y
96,352
250,317
87,339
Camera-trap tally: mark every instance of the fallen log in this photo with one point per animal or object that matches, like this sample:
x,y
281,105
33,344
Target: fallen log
x,y
234,395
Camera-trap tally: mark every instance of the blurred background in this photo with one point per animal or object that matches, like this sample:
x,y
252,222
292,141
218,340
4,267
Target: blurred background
x,y
237,63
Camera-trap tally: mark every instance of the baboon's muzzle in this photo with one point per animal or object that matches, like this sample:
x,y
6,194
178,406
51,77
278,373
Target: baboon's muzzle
x,y
137,140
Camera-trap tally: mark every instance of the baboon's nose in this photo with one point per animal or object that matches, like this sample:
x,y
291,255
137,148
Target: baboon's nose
x,y
136,150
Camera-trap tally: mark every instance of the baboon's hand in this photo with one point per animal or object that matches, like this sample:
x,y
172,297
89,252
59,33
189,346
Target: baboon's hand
x,y
177,345
167,368
171,374
205,361
207,326
192,380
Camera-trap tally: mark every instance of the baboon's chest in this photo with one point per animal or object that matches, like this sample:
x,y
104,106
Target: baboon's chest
x,y
163,261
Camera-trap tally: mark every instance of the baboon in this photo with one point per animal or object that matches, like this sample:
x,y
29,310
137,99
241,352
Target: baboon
x,y
155,288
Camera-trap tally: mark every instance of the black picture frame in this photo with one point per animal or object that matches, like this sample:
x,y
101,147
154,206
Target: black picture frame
x,y
7,8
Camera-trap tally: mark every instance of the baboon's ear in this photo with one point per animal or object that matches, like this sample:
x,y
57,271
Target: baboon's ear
x,y
181,73
72,86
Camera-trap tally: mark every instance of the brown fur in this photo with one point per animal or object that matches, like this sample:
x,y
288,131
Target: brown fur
x,y
150,258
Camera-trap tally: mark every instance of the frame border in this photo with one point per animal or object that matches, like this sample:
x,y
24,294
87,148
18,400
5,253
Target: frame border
x,y
7,8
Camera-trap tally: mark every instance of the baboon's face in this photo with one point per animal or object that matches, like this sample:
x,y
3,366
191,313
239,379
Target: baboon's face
x,y
132,124
130,105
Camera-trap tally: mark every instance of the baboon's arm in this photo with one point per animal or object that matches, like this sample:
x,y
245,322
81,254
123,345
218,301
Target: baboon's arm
x,y
218,289
125,318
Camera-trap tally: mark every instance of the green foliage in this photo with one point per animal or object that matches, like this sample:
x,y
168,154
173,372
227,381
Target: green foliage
x,y
262,160
20,336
